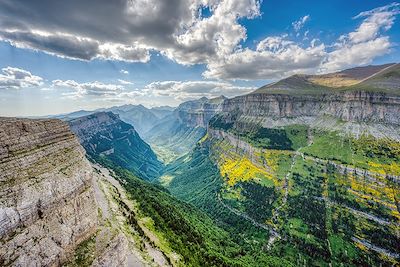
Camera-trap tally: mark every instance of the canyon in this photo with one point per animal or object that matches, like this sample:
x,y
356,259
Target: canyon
x,y
302,171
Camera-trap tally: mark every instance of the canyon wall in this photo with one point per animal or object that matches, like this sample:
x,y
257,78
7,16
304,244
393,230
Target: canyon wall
x,y
347,106
47,205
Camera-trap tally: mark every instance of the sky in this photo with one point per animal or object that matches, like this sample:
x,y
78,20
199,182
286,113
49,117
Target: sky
x,y
63,56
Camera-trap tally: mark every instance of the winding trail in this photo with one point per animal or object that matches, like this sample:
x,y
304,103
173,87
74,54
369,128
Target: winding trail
x,y
375,248
276,212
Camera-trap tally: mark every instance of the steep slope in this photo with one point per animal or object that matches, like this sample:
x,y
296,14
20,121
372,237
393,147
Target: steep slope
x,y
316,166
138,116
103,134
345,80
176,134
142,118
58,209
369,107
47,204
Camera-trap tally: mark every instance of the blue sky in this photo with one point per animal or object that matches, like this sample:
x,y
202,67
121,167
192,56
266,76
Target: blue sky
x,y
57,59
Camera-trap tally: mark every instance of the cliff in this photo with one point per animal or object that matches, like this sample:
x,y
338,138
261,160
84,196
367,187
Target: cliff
x,y
57,209
347,106
47,204
199,112
364,100
104,134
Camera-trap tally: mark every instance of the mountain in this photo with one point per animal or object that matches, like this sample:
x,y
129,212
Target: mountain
x,y
138,116
58,209
142,118
305,171
103,134
162,112
313,160
177,134
47,203
346,80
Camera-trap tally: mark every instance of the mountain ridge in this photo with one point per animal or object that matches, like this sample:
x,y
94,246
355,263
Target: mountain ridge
x,y
103,134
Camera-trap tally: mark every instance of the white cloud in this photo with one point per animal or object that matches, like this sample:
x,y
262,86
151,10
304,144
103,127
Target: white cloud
x,y
365,43
89,88
15,78
278,56
124,82
128,29
131,30
356,54
124,71
188,90
299,24
274,57
381,18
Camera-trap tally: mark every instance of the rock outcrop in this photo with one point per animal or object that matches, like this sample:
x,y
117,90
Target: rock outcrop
x,y
348,106
199,112
104,134
47,205
57,208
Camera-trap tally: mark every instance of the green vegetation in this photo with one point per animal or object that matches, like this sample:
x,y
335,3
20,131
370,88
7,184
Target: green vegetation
x,y
289,137
121,144
229,198
84,254
189,232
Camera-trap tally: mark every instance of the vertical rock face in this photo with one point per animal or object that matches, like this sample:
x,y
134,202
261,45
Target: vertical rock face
x,y
199,112
104,134
47,205
349,106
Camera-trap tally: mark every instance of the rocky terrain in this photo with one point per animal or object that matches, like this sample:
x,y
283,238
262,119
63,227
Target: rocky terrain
x,y
103,134
176,134
313,160
57,209
47,203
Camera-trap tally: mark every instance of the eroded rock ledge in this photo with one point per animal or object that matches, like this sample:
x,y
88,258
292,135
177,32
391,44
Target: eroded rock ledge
x,y
47,205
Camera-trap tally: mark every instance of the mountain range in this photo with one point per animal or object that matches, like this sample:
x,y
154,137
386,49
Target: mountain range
x,y
303,171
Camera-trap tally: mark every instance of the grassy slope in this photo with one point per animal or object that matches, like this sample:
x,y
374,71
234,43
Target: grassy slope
x,y
188,231
314,231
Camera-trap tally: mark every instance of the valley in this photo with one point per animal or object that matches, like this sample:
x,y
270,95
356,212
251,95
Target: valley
x,y
301,172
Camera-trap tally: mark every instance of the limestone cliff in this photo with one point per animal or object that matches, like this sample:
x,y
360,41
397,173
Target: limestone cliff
x,y
358,101
47,203
199,112
57,209
104,134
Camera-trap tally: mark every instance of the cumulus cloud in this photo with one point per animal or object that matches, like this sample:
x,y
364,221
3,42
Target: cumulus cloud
x,y
365,43
127,29
187,90
124,82
278,56
274,57
131,30
299,24
15,78
124,71
89,88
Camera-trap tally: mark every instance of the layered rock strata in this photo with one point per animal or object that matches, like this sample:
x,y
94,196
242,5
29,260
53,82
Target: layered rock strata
x,y
47,205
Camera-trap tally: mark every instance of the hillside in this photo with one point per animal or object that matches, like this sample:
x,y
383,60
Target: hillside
x,y
379,78
177,134
138,116
315,167
59,209
103,134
